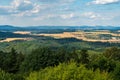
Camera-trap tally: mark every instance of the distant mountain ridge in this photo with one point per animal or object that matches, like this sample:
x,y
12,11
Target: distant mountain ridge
x,y
10,28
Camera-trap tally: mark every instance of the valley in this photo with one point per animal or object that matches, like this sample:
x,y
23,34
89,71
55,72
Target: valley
x,y
59,39
28,51
85,35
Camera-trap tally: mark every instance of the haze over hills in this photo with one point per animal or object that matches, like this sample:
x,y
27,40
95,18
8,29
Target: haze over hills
x,y
9,27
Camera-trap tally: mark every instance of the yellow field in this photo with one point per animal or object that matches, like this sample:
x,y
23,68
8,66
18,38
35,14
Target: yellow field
x,y
22,32
82,36
62,35
14,39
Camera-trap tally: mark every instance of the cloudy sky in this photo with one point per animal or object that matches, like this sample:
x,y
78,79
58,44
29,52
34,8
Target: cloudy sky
x,y
60,12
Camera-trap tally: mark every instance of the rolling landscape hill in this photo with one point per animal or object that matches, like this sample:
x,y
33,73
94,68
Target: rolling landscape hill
x,y
9,27
59,39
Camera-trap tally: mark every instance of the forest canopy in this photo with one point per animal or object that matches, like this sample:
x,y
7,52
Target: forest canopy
x,y
45,63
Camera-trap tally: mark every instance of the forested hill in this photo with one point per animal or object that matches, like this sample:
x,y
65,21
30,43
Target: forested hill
x,y
8,28
44,63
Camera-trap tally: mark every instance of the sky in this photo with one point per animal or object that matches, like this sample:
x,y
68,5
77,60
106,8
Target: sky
x,y
60,12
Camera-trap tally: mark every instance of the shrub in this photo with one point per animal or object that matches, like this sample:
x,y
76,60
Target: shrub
x,y
70,71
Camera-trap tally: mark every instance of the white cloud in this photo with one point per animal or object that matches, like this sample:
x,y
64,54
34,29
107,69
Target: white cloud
x,y
54,1
67,16
45,16
5,10
97,16
20,8
32,7
67,1
91,15
55,16
94,16
22,5
104,1
1,17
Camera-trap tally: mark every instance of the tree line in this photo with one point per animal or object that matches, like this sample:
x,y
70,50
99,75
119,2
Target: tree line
x,y
45,63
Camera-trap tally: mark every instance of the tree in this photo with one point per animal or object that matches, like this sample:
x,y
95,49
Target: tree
x,y
38,59
116,73
11,61
2,58
112,53
103,63
44,57
6,76
69,71
84,56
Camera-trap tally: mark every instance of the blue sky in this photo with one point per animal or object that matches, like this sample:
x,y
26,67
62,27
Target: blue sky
x,y
60,12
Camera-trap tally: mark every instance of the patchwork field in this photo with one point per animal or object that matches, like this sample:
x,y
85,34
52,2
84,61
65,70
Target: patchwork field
x,y
90,36
97,36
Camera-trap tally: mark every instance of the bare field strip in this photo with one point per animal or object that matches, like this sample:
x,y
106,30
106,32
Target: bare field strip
x,y
22,32
14,39
97,33
81,36
61,35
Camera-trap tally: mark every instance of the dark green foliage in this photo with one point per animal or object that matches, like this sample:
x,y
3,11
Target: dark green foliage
x,y
10,61
68,43
2,57
55,64
44,57
116,73
112,53
11,35
84,56
102,63
39,58
6,76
